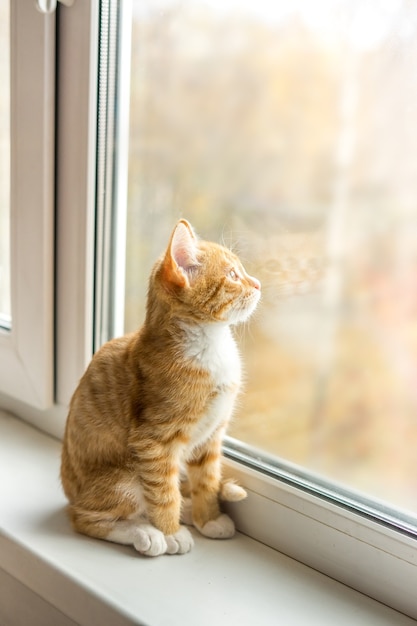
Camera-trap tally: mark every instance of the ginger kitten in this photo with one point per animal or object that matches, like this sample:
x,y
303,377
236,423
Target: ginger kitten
x,y
156,403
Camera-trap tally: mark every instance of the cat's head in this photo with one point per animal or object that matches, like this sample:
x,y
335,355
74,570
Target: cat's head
x,y
203,281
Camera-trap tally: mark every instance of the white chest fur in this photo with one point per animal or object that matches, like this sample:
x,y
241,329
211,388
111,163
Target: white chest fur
x,y
213,348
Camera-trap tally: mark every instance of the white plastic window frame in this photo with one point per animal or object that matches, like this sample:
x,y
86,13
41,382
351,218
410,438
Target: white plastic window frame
x,y
352,548
26,351
53,146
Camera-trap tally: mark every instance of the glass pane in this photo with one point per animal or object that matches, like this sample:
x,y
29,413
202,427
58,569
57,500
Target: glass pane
x,y
4,164
289,131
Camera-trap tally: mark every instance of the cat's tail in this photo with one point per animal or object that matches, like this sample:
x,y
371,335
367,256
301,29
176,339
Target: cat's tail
x,y
231,492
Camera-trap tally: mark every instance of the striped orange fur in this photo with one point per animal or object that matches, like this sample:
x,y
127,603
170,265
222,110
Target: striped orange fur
x,y
153,406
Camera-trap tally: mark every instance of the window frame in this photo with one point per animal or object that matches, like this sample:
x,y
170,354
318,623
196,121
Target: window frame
x,y
345,545
26,350
53,322
76,192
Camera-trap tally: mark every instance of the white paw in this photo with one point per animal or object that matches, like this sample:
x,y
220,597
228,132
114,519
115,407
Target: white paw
x,y
187,512
230,492
180,543
220,528
149,540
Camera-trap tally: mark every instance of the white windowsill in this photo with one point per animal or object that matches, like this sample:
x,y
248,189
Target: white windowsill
x,y
54,576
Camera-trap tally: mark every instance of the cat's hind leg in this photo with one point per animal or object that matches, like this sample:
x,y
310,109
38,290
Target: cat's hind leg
x,y
139,533
150,541
145,538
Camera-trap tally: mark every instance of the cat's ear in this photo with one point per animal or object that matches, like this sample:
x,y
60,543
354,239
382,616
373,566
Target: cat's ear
x,y
181,256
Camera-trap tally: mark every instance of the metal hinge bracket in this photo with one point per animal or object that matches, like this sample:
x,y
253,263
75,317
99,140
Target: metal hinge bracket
x,y
49,6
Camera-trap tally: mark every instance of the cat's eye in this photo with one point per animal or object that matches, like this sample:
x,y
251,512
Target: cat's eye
x,y
233,275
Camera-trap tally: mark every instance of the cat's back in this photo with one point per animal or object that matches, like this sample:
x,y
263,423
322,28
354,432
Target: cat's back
x,y
101,400
99,416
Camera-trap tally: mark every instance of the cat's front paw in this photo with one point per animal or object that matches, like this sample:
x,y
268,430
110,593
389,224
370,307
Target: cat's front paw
x,y
149,540
220,528
179,543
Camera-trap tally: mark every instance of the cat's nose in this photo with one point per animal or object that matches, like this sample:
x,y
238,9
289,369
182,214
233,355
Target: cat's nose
x,y
255,282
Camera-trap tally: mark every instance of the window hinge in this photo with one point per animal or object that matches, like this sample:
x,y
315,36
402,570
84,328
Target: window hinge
x,y
49,6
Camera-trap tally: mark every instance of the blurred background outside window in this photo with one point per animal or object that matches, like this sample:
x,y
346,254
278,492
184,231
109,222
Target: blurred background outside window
x,y
288,131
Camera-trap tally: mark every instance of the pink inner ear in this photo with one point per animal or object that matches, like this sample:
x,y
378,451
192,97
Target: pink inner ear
x,y
183,247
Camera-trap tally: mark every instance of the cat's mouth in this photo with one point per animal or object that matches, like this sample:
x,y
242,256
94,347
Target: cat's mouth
x,y
244,308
